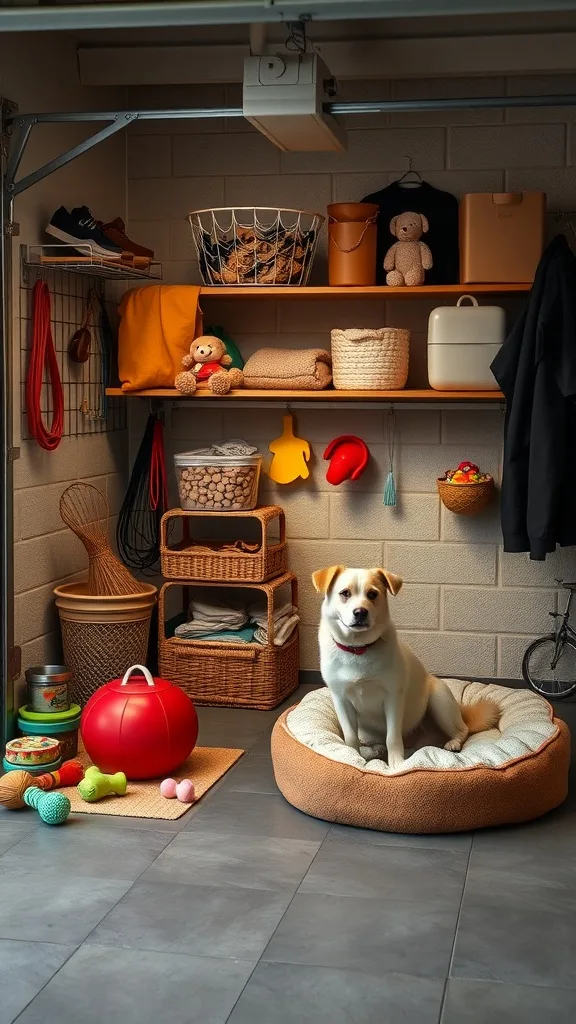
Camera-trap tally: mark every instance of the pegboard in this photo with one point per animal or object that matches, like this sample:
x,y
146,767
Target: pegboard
x,y
87,410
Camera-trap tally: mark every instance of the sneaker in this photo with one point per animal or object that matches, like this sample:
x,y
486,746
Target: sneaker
x,y
116,232
79,228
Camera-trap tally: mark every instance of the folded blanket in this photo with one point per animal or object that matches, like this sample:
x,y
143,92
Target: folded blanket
x,y
297,369
286,619
282,631
236,636
210,617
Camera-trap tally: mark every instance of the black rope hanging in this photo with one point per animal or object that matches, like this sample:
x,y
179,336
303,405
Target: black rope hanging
x,y
146,500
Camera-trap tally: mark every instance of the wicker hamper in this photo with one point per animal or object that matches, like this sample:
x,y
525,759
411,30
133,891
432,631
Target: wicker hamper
x,y
102,635
370,359
258,676
189,559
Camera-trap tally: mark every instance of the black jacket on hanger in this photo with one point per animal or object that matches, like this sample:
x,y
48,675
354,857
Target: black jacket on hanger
x,y
536,370
441,210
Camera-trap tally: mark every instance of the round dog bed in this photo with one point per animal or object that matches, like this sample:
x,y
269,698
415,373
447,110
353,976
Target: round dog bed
x,y
514,773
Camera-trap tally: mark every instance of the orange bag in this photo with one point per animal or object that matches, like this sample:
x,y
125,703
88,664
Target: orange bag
x,y
157,325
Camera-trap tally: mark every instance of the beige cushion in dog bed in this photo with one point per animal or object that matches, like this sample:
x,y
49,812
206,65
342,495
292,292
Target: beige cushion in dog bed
x,y
510,774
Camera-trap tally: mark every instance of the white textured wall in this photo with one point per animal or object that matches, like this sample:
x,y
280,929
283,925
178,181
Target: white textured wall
x,y
466,607
39,73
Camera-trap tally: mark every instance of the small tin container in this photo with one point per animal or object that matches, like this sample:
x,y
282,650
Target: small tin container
x,y
48,688
32,750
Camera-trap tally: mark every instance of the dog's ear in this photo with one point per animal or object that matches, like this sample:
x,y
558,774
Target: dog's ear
x,y
324,578
391,582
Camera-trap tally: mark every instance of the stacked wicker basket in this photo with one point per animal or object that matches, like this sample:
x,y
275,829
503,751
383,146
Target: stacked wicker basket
x,y
226,673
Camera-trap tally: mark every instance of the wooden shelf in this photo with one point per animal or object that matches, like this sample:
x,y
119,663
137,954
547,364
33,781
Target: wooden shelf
x,y
406,395
375,292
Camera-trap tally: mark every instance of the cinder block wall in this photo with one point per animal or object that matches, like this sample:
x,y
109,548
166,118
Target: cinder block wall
x,y
466,608
42,77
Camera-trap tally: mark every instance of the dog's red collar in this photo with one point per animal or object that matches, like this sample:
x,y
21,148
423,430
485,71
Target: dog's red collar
x,y
354,650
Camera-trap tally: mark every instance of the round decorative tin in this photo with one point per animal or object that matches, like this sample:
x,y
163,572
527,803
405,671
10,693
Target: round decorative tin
x,y
39,769
64,726
32,750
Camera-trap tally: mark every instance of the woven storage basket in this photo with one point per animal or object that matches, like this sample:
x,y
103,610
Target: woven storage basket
x,y
371,360
102,636
466,499
258,676
190,561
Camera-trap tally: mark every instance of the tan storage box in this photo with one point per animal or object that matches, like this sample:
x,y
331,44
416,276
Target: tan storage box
x,y
501,236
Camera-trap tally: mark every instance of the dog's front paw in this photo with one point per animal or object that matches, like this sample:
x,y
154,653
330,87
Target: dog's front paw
x,y
376,752
455,745
395,761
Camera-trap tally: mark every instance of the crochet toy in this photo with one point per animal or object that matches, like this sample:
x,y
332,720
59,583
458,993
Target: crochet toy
x,y
184,791
13,785
95,785
406,260
53,808
207,363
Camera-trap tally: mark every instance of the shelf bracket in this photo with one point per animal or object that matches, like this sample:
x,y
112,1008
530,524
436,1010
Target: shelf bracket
x,y
22,129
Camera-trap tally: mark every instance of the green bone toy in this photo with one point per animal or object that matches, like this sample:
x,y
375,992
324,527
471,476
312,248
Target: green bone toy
x,y
96,785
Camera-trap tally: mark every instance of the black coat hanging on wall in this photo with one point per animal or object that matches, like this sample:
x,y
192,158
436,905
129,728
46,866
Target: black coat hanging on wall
x,y
536,370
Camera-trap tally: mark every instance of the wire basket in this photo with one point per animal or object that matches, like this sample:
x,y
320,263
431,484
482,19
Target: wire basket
x,y
246,245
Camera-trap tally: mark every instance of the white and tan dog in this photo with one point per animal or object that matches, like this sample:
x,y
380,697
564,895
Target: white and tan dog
x,y
381,691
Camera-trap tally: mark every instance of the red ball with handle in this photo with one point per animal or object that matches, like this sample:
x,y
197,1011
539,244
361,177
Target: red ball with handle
x,y
139,725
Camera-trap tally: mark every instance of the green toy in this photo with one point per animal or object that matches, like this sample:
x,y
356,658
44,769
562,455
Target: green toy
x,y
53,808
95,785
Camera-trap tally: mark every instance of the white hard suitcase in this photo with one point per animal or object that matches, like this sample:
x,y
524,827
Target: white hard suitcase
x,y
462,342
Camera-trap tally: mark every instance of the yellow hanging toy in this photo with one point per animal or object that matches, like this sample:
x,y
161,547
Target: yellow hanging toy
x,y
290,455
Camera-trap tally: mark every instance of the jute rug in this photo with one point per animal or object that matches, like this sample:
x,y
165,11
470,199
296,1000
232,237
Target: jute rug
x,y
143,799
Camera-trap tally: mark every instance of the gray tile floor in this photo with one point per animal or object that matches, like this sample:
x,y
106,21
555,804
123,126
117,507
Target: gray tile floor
x,y
247,911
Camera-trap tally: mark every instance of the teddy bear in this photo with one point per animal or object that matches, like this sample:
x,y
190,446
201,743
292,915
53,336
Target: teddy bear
x,y
406,260
207,362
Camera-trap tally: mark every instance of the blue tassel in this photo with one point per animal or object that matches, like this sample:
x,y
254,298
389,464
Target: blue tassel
x,y
390,490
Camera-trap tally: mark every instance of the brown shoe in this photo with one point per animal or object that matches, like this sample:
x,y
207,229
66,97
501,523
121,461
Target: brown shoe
x,y
116,232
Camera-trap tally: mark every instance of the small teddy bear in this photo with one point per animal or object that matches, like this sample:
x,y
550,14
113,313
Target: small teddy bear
x,y
406,260
207,361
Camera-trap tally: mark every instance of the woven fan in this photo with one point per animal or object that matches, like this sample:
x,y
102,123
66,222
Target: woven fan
x,y
85,510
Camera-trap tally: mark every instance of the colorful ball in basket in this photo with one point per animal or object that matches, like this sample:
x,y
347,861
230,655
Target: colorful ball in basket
x,y
138,725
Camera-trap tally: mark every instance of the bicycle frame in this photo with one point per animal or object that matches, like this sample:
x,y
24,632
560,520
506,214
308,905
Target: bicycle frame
x,y
562,630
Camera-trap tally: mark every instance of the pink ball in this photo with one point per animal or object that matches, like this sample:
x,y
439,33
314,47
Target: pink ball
x,y
168,788
185,791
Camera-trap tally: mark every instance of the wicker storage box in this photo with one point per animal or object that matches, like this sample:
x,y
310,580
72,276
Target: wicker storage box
x,y
258,676
193,560
371,360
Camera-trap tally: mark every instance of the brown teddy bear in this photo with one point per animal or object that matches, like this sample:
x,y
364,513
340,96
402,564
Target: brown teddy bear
x,y
207,362
406,260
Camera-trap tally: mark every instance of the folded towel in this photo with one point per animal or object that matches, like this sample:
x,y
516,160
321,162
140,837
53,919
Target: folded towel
x,y
237,636
299,369
213,617
282,631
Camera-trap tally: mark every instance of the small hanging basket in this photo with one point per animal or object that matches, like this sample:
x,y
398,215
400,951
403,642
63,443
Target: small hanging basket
x,y
466,499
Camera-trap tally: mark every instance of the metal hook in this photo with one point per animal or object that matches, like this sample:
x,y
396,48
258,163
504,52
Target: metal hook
x,y
409,159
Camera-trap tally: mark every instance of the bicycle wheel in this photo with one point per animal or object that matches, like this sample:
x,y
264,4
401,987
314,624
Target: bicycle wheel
x,y
558,682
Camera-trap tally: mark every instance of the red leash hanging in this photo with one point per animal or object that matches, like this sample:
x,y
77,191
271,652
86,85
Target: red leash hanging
x,y
42,355
158,479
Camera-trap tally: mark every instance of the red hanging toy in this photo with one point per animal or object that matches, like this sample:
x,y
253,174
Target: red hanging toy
x,y
348,456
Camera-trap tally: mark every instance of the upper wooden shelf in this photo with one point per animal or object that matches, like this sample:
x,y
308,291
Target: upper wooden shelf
x,y
406,395
375,292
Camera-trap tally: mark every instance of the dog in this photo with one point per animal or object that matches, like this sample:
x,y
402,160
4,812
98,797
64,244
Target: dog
x,y
380,690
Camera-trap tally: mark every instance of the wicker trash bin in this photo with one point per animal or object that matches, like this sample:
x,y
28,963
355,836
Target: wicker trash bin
x,y
102,636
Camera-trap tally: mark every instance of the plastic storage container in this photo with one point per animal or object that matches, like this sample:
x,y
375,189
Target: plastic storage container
x,y
501,236
63,727
211,481
462,342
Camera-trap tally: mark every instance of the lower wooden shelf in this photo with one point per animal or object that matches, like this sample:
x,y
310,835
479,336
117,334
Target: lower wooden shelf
x,y
244,394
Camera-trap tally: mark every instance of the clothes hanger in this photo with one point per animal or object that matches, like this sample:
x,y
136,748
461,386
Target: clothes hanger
x,y
405,181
